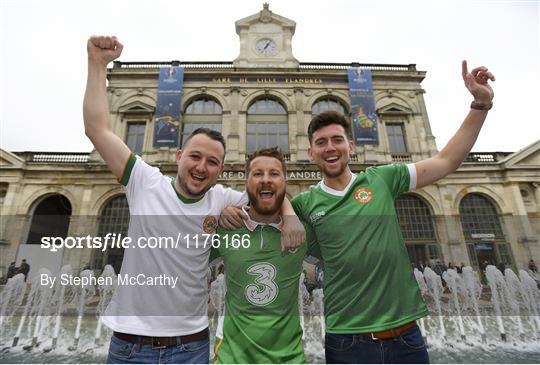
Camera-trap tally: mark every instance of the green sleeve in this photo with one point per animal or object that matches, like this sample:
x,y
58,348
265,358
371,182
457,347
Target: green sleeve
x,y
395,176
298,206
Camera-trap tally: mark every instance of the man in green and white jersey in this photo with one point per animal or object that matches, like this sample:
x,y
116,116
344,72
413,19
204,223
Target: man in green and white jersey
x,y
371,297
261,321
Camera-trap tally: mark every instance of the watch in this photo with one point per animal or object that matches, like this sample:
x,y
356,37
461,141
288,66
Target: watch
x,y
480,106
266,47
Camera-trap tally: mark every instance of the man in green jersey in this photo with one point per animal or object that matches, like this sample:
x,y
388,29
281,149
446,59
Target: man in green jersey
x,y
261,320
371,297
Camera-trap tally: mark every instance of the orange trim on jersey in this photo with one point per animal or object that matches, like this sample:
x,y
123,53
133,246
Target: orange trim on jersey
x,y
216,348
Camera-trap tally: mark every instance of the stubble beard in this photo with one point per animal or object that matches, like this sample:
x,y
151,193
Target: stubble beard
x,y
183,184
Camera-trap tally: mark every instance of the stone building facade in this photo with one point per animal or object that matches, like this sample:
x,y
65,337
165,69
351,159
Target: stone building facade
x,y
488,210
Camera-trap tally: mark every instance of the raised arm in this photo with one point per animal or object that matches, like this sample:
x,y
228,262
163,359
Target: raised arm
x,y
459,146
97,124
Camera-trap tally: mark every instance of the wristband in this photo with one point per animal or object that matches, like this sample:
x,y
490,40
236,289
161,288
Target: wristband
x,y
480,106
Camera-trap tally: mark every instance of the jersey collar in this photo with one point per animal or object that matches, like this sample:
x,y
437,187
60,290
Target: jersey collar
x,y
331,191
252,224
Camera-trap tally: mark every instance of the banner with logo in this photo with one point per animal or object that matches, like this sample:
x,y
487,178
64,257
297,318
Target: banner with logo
x,y
364,117
168,108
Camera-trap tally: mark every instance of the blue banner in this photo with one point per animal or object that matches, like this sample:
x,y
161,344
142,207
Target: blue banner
x,y
364,117
168,108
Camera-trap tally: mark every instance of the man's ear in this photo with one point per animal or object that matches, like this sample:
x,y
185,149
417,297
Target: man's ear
x,y
310,154
178,155
351,146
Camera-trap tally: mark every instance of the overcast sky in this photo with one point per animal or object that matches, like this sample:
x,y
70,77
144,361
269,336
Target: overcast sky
x,y
43,55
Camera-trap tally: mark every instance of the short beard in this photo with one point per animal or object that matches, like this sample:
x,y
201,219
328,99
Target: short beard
x,y
254,203
338,173
185,187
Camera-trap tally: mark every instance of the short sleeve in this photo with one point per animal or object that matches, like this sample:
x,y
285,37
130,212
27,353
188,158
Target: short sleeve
x,y
396,176
138,175
233,198
298,205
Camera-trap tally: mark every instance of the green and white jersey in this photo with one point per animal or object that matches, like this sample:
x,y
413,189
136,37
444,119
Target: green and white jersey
x,y
369,284
261,321
157,210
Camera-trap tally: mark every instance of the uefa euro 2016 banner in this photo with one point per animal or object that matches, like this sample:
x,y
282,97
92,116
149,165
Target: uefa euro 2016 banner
x,y
168,109
364,117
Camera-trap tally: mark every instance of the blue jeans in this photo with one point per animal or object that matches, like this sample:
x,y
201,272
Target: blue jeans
x,y
123,352
408,348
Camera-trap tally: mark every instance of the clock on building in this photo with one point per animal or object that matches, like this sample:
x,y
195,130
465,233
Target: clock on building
x,y
266,47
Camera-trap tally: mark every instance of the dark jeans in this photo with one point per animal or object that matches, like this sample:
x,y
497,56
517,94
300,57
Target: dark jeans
x,y
408,348
123,352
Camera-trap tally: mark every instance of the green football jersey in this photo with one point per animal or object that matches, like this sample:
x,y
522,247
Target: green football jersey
x,y
369,284
261,321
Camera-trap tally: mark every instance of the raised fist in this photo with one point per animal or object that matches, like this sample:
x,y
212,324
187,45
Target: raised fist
x,y
103,49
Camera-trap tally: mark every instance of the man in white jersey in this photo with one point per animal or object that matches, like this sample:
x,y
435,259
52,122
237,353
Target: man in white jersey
x,y
159,310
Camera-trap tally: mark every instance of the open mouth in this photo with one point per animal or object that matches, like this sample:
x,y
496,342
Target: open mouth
x,y
332,159
198,177
266,194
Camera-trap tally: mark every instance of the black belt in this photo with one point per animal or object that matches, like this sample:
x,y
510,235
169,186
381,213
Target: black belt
x,y
162,341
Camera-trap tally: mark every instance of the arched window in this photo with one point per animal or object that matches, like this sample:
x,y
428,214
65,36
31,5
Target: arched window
x,y
202,112
267,126
114,218
417,228
325,103
483,232
50,219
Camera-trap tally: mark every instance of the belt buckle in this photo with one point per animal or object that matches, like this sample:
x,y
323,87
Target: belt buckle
x,y
373,337
156,343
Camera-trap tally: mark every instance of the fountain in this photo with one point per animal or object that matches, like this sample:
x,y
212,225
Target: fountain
x,y
463,309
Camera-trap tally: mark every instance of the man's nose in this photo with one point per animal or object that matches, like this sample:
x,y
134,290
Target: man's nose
x,y
330,146
201,165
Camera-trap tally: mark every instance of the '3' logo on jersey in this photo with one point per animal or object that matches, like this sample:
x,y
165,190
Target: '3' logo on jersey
x,y
264,290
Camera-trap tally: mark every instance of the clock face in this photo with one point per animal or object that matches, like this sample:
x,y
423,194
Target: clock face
x,y
266,47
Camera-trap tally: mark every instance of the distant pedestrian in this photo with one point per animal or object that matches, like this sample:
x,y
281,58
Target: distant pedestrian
x,y
532,267
12,270
24,269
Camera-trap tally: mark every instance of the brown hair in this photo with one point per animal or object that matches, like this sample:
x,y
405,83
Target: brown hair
x,y
274,152
325,119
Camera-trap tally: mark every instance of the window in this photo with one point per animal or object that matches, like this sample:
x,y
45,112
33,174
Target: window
x,y
135,136
483,231
417,229
479,216
50,219
326,103
415,219
396,139
203,112
114,218
267,126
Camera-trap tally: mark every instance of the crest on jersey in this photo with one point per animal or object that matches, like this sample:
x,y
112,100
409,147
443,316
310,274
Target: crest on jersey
x,y
363,195
210,224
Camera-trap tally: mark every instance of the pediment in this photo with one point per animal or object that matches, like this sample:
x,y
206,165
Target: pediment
x,y
526,157
10,160
265,16
136,107
394,108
